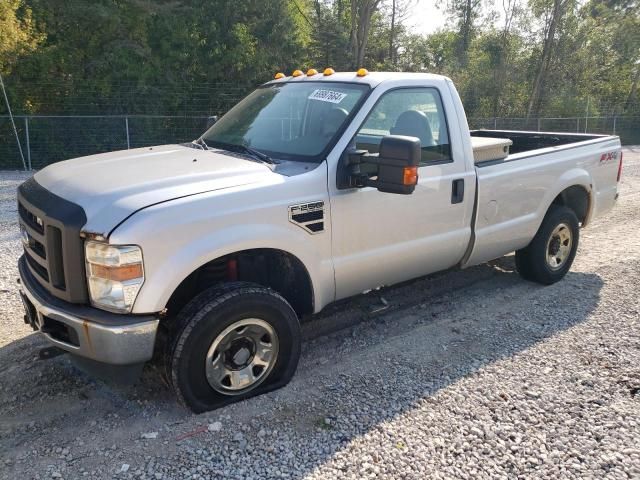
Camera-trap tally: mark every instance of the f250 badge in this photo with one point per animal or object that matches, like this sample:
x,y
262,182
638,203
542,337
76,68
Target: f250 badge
x,y
608,157
308,216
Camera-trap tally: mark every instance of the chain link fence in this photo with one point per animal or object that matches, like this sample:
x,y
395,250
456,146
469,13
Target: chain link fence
x,y
52,138
46,139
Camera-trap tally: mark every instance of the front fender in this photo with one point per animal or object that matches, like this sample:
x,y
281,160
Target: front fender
x,y
179,236
165,274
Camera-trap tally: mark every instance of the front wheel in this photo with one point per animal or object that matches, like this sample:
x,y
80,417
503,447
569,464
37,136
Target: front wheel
x,y
232,342
550,254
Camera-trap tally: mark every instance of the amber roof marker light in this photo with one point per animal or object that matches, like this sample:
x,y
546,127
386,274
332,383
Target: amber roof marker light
x,y
279,75
328,71
311,72
297,73
362,72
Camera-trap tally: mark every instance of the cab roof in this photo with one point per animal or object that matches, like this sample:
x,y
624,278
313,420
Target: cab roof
x,y
372,78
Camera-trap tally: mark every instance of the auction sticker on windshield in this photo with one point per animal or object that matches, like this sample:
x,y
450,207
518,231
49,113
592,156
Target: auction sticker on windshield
x,y
327,96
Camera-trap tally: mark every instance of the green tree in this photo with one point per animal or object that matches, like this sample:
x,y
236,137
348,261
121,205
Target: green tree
x,y
464,13
18,34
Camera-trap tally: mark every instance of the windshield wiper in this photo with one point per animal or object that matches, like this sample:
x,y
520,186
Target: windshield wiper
x,y
256,154
202,143
252,152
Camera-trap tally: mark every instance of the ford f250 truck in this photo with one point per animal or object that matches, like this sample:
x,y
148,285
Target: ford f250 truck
x,y
314,188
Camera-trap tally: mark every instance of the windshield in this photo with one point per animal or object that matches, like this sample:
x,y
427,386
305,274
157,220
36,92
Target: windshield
x,y
291,121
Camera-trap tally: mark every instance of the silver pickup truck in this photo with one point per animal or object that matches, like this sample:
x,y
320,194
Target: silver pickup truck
x,y
314,188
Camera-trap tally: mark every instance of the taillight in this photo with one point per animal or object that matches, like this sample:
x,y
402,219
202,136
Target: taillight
x,y
619,168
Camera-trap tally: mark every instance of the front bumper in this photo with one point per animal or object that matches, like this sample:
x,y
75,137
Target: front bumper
x,y
85,331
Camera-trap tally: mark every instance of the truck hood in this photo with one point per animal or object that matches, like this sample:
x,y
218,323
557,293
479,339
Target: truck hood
x,y
112,186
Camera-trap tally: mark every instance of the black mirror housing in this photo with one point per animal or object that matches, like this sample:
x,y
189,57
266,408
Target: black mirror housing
x,y
401,148
396,166
398,161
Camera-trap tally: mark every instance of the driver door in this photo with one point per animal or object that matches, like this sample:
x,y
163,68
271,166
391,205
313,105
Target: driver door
x,y
381,238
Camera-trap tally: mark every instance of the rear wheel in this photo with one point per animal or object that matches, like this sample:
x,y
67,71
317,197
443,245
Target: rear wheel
x,y
550,254
232,342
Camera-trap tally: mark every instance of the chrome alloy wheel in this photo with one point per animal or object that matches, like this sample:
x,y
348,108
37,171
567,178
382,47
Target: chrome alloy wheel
x,y
559,246
241,356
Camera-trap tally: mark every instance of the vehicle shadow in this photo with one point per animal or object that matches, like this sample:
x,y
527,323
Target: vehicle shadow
x,y
428,333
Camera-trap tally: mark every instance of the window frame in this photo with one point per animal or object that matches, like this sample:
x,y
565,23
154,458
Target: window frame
x,y
444,113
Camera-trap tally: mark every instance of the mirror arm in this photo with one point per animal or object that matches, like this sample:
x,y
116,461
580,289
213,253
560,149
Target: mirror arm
x,y
357,178
396,170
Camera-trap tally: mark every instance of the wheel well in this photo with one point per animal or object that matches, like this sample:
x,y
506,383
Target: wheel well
x,y
577,199
273,268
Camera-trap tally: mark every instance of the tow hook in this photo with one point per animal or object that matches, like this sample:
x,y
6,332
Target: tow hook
x,y
48,353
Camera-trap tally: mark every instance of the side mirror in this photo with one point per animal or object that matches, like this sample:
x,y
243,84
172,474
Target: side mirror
x,y
395,167
211,120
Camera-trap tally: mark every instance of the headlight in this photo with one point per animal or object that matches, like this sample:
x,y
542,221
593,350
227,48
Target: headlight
x,y
115,274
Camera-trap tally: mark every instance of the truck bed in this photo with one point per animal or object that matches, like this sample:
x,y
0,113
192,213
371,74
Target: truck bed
x,y
528,141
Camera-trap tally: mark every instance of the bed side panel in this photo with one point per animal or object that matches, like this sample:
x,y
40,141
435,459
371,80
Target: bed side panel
x,y
514,195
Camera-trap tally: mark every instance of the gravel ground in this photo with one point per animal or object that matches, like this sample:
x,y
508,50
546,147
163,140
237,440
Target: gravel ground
x,y
466,374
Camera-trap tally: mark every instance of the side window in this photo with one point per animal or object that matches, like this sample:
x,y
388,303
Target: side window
x,y
415,112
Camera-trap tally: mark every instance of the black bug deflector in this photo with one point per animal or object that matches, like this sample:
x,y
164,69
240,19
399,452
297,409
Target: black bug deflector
x,y
50,228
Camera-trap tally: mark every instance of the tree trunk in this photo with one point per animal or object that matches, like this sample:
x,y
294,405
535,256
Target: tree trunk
x,y
392,34
465,34
353,35
466,12
500,76
548,50
361,13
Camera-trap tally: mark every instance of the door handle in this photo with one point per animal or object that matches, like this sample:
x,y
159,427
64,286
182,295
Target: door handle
x,y
457,191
